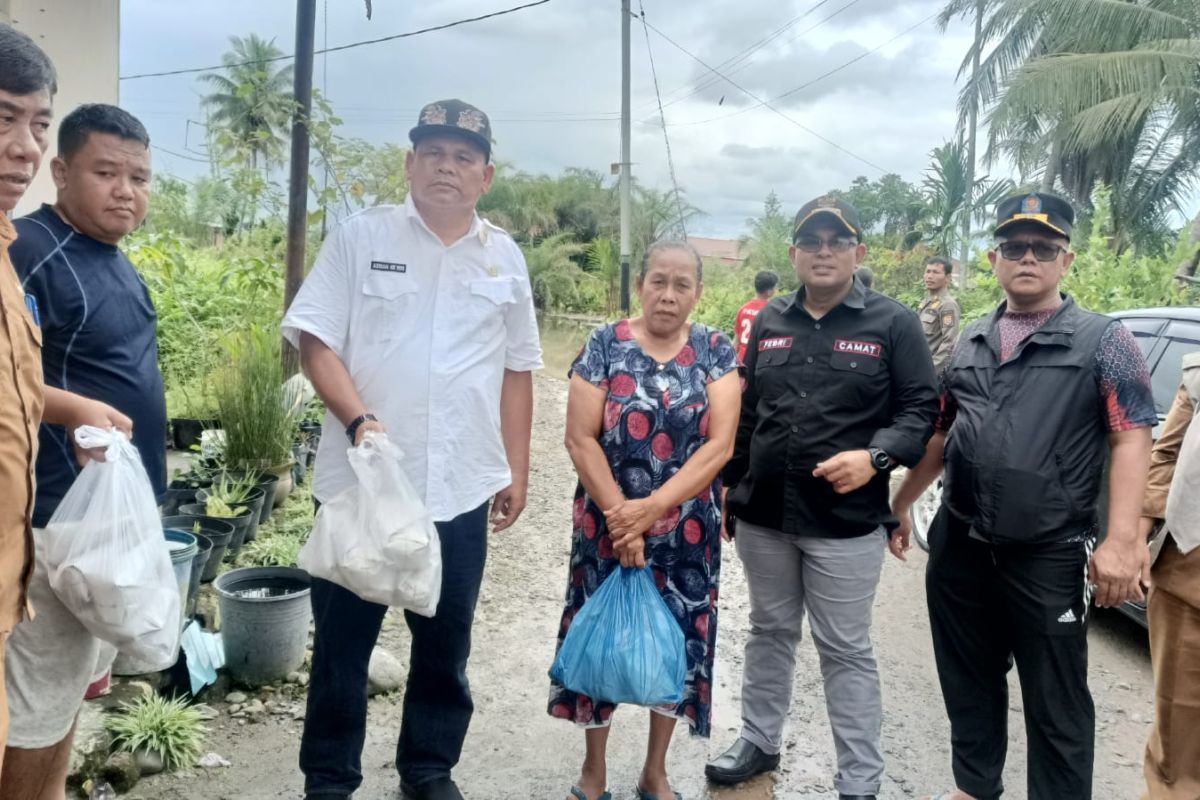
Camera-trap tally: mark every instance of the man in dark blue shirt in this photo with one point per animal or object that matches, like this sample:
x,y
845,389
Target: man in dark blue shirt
x,y
98,341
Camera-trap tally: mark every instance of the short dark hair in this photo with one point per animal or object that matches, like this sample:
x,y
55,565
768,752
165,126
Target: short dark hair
x,y
946,264
671,244
91,118
765,281
24,67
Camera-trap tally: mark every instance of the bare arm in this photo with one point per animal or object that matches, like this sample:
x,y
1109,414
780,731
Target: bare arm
x,y
73,411
585,417
516,427
1121,563
333,383
918,479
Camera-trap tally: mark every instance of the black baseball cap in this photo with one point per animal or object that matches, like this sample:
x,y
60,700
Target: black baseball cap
x,y
829,208
456,118
1039,208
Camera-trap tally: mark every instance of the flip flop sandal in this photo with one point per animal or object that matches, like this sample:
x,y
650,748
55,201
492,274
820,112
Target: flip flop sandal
x,y
578,793
644,795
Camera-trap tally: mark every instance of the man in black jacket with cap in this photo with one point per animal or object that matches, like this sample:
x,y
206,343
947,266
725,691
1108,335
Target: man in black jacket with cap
x,y
1035,397
839,390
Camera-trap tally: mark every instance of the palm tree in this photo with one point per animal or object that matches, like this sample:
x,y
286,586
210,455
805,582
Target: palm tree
x,y
970,97
1091,91
553,272
251,101
952,206
766,246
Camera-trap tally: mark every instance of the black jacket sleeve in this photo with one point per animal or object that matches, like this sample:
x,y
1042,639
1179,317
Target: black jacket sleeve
x,y
914,405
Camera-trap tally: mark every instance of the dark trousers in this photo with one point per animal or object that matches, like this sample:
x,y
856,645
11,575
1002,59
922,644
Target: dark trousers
x,y
991,605
437,697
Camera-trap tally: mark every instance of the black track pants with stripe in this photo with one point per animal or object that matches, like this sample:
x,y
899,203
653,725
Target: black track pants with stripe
x,y
991,606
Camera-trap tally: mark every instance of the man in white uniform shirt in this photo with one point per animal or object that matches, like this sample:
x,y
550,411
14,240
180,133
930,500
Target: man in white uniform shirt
x,y
418,320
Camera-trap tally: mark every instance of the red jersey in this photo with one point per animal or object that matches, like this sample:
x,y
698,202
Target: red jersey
x,y
745,321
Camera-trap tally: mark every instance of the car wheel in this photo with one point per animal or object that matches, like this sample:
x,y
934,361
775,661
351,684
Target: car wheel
x,y
923,511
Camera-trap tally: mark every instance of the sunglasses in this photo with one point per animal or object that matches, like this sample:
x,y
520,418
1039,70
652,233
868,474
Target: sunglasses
x,y
1042,251
838,244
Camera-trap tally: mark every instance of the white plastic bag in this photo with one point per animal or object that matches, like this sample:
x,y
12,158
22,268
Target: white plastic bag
x,y
377,539
107,559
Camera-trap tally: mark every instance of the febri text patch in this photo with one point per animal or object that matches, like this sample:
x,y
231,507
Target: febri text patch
x,y
857,348
775,343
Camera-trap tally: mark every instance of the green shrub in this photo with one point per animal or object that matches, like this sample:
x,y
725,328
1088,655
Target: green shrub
x,y
168,728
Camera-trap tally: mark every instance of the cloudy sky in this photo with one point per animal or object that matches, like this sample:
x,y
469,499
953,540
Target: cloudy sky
x,y
549,77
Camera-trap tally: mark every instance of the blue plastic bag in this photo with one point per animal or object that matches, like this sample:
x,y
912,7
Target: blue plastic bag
x,y
624,645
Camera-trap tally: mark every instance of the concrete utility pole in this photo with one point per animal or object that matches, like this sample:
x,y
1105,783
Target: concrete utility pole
x,y
626,247
297,220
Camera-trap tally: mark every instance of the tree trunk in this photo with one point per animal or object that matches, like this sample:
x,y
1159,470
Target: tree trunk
x,y
1053,164
1191,261
964,253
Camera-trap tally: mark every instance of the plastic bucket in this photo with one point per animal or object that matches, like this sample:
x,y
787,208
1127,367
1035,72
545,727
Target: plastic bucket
x,y
182,546
204,548
217,530
265,614
240,525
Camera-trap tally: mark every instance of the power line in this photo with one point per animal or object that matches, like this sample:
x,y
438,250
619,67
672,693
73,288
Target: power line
x,y
662,117
818,78
339,48
180,155
743,61
765,103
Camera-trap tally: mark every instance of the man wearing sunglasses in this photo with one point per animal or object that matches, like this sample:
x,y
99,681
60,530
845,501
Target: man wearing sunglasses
x,y
1035,397
840,389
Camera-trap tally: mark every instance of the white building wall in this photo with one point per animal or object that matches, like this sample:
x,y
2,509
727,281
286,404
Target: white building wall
x,y
83,39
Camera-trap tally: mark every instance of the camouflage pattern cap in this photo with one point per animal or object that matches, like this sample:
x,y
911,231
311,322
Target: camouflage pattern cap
x,y
456,118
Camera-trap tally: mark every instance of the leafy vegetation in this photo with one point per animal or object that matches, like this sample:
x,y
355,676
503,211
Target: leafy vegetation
x,y
169,728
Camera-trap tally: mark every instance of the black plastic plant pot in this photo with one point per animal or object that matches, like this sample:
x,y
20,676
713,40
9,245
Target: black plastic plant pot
x,y
186,432
241,524
218,530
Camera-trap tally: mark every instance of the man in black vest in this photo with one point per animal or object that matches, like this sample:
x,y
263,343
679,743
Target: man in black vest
x,y
1035,396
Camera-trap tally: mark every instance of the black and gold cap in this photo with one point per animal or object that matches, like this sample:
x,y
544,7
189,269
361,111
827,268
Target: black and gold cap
x,y
828,208
456,118
1039,208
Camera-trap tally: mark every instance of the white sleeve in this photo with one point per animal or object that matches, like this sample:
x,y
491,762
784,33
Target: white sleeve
x,y
523,350
322,306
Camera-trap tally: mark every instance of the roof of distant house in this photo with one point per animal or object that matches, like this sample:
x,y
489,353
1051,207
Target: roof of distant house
x,y
724,249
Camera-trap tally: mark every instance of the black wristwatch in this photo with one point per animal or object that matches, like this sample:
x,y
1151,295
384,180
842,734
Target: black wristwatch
x,y
880,460
352,428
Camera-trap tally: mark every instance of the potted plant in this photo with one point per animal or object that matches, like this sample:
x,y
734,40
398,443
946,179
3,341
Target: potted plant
x,y
257,407
233,503
191,409
260,480
184,485
160,733
228,494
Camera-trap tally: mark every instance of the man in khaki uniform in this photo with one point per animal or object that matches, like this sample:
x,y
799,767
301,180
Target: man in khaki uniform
x,y
27,83
27,86
1172,760
939,312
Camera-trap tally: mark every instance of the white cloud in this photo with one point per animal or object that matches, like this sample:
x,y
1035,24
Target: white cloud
x,y
550,79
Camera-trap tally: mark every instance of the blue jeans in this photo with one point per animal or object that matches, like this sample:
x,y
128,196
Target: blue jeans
x,y
437,698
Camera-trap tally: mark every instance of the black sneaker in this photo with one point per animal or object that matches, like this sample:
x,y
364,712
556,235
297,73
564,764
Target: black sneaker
x,y
741,762
436,789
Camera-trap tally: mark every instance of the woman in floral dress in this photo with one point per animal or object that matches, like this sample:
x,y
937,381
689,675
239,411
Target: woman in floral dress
x,y
651,418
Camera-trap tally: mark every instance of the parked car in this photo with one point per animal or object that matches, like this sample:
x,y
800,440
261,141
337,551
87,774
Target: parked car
x,y
1165,336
